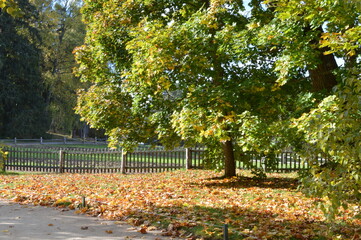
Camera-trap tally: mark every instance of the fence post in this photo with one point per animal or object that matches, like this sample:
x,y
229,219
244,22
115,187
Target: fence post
x,y
15,140
123,161
264,164
83,202
225,232
188,158
41,140
61,161
64,140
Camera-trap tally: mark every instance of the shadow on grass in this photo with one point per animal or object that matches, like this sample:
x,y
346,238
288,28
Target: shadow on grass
x,y
243,223
24,173
247,182
9,173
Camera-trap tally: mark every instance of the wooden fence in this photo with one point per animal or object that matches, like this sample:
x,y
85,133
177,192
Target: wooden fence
x,y
92,160
281,162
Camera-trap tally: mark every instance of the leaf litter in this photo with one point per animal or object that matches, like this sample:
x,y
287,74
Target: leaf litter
x,y
190,204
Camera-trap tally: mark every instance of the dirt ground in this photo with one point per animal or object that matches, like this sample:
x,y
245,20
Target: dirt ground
x,y
24,222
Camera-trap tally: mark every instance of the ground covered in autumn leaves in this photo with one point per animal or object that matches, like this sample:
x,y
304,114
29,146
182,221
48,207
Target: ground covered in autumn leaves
x,y
190,204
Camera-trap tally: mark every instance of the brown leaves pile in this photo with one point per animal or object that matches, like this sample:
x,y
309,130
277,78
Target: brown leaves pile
x,y
190,204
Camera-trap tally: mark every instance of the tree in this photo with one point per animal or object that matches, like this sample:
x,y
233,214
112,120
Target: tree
x,y
61,30
309,35
170,70
22,106
202,72
52,29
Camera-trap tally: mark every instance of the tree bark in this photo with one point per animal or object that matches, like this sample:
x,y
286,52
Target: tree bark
x,y
219,75
229,160
322,76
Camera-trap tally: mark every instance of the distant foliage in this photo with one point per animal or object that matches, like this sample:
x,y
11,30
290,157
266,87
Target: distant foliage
x,y
61,30
38,88
23,110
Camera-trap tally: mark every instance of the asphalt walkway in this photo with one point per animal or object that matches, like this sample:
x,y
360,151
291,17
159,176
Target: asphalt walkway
x,y
25,222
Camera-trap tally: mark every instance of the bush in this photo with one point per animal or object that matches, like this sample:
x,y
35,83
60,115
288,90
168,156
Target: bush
x,y
3,159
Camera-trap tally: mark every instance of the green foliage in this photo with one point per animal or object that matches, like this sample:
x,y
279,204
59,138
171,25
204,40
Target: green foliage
x,y
38,88
178,70
61,30
11,7
333,128
202,72
22,106
300,30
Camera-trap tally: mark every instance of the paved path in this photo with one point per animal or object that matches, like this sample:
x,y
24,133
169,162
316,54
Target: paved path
x,y
24,222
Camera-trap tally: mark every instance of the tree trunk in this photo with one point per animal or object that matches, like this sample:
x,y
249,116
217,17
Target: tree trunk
x,y
218,77
322,76
229,160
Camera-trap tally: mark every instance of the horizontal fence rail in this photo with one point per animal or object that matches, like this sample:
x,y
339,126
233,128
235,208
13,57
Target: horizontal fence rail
x,y
45,141
143,160
281,162
91,160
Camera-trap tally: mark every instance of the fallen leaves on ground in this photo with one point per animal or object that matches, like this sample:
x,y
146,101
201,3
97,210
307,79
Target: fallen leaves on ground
x,y
191,204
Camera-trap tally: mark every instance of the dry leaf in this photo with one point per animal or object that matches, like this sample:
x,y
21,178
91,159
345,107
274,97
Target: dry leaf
x,y
143,230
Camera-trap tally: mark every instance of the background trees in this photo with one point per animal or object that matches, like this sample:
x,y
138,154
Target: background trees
x,y
38,88
22,105
61,30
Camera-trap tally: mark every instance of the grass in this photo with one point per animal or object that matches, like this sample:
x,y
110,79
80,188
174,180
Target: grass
x,y
194,204
9,173
96,146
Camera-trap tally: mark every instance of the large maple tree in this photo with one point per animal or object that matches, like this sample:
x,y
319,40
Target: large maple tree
x,y
172,70
210,72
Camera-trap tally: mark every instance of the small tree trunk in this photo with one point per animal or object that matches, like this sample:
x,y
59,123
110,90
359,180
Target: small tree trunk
x,y
230,163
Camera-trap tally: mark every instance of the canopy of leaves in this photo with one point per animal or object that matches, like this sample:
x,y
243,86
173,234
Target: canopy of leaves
x,y
11,7
205,72
178,70
301,31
